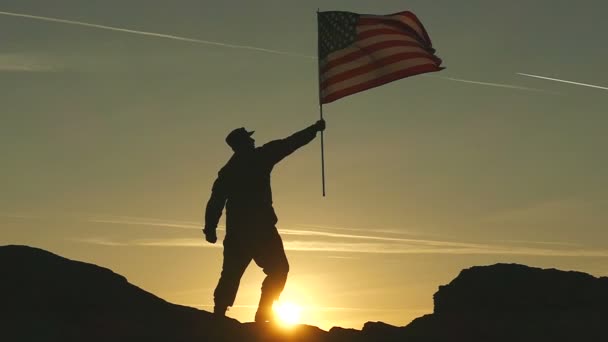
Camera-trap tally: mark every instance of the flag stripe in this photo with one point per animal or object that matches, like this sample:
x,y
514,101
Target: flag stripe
x,y
418,25
386,63
364,29
352,53
367,64
330,97
377,30
365,43
407,19
363,58
397,23
372,74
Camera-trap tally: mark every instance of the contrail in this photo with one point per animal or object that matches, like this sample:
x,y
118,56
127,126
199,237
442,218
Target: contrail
x,y
563,81
154,34
500,85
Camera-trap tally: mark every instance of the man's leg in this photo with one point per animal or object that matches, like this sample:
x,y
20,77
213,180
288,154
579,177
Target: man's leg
x,y
236,260
270,255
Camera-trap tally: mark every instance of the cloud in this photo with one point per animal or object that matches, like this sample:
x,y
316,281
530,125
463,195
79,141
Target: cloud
x,y
563,81
109,219
172,242
374,238
444,249
139,221
341,257
102,242
371,243
551,243
400,231
338,244
154,34
22,63
320,232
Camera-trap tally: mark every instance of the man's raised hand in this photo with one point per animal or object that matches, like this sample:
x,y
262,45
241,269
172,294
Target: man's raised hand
x,y
320,125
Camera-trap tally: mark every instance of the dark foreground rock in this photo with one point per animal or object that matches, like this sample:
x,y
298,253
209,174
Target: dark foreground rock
x,y
510,302
49,298
45,297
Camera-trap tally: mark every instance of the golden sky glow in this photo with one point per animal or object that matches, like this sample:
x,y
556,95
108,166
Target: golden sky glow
x,y
110,141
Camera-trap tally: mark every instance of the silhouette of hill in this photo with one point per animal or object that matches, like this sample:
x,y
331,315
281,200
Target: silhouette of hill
x,y
46,297
510,302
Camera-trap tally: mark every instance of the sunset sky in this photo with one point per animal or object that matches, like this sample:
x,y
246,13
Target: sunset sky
x,y
110,141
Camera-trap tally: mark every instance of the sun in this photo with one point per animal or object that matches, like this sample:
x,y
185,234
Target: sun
x,y
287,312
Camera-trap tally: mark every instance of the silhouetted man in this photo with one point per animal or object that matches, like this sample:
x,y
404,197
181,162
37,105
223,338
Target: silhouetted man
x,y
243,185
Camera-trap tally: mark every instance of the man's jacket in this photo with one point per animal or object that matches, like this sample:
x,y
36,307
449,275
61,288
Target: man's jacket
x,y
243,186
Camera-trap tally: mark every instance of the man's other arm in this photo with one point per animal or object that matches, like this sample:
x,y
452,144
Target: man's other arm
x,y
276,150
214,209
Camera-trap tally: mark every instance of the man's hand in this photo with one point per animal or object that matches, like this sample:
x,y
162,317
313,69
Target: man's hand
x,y
210,235
320,125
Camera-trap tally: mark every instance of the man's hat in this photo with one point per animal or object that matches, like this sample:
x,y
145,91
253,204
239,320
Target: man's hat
x,y
237,136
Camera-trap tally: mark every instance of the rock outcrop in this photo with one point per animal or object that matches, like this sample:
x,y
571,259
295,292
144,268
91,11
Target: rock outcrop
x,y
511,302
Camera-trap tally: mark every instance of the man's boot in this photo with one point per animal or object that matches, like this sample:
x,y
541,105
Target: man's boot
x,y
265,313
220,310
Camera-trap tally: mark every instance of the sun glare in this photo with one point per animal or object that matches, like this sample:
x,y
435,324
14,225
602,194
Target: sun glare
x,y
288,313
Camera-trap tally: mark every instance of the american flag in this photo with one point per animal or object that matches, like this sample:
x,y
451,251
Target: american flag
x,y
358,52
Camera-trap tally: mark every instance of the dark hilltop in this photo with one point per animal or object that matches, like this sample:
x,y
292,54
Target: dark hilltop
x,y
45,297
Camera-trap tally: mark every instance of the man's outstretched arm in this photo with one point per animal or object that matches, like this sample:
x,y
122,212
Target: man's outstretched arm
x,y
278,149
214,209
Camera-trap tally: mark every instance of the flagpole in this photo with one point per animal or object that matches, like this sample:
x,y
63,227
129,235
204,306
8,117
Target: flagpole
x,y
320,106
322,153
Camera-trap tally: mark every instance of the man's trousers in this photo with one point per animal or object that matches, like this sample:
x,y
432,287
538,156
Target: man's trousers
x,y
265,247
